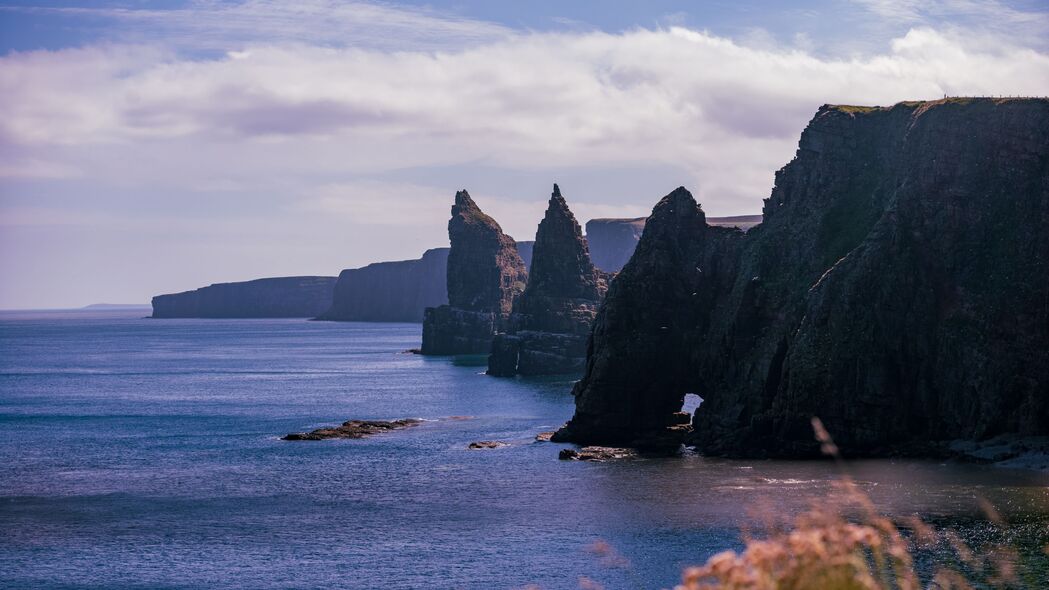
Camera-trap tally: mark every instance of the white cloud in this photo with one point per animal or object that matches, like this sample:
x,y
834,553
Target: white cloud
x,y
987,18
313,139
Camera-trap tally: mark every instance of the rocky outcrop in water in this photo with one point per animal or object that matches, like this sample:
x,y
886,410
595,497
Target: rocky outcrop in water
x,y
292,297
354,429
485,275
391,291
612,241
898,289
547,332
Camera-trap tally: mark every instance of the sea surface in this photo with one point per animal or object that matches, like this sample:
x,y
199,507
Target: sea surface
x,y
138,453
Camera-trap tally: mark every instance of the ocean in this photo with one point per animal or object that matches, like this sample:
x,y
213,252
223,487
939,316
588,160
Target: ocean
x,y
139,453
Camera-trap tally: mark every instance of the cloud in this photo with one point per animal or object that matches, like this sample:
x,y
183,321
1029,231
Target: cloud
x,y
220,26
727,112
987,18
342,155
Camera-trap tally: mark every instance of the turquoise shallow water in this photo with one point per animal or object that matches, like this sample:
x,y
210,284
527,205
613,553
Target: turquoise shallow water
x,y
142,453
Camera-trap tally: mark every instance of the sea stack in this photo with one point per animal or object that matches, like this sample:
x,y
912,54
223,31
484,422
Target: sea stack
x,y
897,289
547,332
485,275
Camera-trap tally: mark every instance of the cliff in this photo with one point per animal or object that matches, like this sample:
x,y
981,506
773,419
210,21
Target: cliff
x,y
485,274
898,289
391,291
396,291
612,241
547,332
262,298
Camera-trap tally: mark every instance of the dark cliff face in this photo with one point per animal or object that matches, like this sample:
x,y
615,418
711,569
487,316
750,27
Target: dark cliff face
x,y
612,241
547,332
485,274
637,370
562,266
898,289
262,298
524,249
391,291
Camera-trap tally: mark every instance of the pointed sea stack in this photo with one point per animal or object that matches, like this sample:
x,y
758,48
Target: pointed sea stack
x,y
548,330
485,275
896,289
637,372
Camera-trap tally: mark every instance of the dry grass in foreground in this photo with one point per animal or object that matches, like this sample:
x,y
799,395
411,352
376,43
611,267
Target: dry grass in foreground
x,y
844,544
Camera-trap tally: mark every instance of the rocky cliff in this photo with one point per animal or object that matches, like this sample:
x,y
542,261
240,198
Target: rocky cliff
x,y
396,291
391,291
898,289
485,274
297,297
548,329
612,241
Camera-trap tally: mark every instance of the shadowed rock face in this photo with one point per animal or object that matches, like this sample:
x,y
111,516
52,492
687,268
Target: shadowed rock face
x,y
391,291
898,289
562,266
396,291
612,241
280,297
485,275
548,329
485,271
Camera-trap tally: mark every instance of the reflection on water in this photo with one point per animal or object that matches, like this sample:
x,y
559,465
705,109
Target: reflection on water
x,y
145,453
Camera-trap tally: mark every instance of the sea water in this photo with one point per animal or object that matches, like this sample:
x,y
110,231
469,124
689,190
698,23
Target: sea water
x,y
140,453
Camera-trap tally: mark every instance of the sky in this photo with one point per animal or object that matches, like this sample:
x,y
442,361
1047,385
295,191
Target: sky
x,y
154,147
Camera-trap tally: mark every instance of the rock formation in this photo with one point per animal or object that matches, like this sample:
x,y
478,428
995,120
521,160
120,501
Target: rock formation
x,y
898,289
354,429
548,329
396,291
391,291
612,241
293,297
485,275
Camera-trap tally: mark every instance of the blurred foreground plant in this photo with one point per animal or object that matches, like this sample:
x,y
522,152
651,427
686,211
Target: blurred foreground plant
x,y
844,544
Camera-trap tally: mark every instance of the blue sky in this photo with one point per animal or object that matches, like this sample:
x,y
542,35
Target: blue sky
x,y
151,147
830,26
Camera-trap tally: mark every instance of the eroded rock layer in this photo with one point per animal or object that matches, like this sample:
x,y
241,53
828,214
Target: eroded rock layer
x,y
898,289
547,332
485,274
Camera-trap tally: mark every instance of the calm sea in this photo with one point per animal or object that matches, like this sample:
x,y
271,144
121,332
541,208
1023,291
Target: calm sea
x,y
140,453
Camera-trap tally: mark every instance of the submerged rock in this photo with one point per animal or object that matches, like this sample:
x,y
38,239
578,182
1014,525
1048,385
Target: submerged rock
x,y
896,289
485,274
548,330
354,429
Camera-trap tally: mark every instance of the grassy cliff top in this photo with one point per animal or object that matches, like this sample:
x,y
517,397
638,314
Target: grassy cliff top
x,y
912,104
